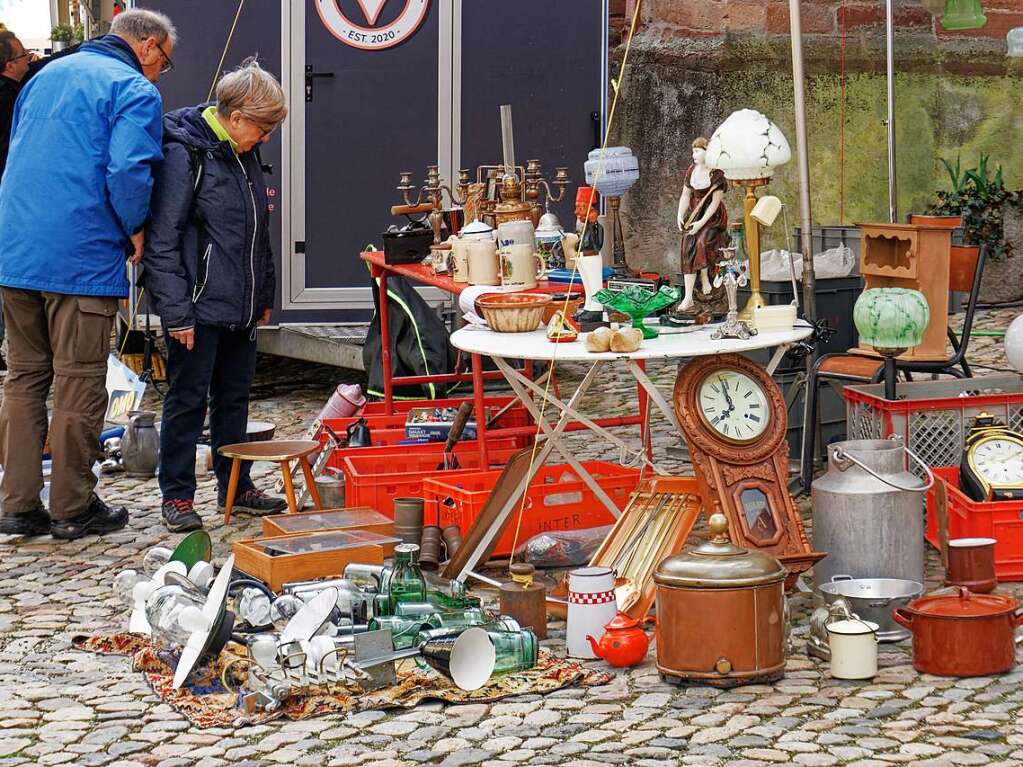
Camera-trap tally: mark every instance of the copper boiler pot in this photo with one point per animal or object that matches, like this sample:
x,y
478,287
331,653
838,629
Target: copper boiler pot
x,y
721,615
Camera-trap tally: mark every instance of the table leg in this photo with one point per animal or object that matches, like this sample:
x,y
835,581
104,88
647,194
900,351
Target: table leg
x,y
232,488
310,483
644,416
385,343
554,440
289,487
655,394
507,371
479,403
776,359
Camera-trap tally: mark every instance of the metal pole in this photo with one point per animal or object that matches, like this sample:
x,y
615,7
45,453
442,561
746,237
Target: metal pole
x,y
889,23
799,102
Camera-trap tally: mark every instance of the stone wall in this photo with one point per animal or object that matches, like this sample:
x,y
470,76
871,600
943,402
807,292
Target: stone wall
x,y
693,62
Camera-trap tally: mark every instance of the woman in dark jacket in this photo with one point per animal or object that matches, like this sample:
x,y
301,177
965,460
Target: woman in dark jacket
x,y
210,272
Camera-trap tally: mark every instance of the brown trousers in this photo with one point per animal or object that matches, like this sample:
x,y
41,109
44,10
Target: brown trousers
x,y
61,340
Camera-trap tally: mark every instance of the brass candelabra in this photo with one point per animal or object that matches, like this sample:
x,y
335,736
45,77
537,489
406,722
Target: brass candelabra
x,y
499,193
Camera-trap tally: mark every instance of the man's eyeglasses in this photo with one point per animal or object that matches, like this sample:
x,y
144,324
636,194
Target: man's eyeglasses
x,y
169,65
25,55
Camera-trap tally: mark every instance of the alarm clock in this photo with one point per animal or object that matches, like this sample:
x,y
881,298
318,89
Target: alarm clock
x,y
992,464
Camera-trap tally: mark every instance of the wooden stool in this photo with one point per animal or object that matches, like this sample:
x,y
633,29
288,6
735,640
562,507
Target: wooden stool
x,y
278,451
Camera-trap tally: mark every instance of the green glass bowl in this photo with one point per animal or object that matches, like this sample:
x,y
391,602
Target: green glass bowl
x,y
639,302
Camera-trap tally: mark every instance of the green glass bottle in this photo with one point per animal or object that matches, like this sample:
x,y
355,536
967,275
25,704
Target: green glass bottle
x,y
456,601
406,582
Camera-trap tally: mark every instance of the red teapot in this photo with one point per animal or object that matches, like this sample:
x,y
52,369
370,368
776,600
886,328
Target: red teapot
x,y
624,642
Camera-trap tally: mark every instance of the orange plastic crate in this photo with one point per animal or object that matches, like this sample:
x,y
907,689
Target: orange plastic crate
x,y
376,480
556,500
967,518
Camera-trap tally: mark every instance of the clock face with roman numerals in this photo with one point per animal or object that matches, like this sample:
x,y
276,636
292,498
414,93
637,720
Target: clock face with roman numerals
x,y
999,460
733,405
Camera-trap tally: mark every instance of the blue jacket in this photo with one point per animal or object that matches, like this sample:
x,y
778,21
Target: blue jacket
x,y
85,134
207,258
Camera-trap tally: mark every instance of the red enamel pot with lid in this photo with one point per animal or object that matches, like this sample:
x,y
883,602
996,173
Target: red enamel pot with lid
x,y
962,633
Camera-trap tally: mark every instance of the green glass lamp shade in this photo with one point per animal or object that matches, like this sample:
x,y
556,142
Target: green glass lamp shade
x,y
891,318
194,547
638,302
963,14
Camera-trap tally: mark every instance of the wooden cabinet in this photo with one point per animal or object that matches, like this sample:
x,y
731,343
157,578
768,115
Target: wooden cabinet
x,y
911,256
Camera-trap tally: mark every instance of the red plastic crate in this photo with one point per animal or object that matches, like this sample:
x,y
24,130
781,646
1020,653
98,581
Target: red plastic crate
x,y
967,518
376,480
551,502
390,445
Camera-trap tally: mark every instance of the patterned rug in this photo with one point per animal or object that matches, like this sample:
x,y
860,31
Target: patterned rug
x,y
205,702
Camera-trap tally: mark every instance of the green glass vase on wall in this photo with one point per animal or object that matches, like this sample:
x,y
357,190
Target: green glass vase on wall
x,y
963,14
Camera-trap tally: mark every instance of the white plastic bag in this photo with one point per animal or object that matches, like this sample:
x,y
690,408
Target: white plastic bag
x,y
839,261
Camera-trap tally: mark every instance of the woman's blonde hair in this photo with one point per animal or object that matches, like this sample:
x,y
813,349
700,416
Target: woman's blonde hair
x,y
699,143
254,92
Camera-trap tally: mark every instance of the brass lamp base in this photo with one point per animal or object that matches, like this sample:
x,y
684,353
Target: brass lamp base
x,y
756,301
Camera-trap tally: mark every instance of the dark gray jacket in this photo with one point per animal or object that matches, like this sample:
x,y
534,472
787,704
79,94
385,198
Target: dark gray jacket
x,y
207,258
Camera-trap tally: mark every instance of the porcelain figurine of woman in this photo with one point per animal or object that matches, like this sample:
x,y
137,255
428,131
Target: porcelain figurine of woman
x,y
703,221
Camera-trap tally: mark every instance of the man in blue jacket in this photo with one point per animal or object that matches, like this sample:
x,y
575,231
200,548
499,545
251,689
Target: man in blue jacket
x,y
85,134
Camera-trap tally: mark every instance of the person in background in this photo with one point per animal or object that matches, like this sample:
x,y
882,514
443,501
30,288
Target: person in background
x,y
85,134
209,270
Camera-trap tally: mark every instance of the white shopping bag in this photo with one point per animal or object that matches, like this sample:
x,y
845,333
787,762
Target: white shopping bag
x,y
124,390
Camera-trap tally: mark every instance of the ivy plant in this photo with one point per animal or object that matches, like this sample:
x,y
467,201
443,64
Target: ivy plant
x,y
979,196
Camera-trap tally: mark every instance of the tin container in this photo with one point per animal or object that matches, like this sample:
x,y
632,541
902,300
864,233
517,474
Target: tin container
x,y
721,615
866,513
525,600
852,645
971,563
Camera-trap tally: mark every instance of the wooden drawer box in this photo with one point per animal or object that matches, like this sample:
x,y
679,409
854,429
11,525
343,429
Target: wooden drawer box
x,y
303,557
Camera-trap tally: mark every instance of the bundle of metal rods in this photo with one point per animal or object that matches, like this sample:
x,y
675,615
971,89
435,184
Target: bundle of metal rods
x,y
636,544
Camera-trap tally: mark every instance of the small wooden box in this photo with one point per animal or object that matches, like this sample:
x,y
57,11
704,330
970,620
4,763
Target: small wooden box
x,y
305,557
361,518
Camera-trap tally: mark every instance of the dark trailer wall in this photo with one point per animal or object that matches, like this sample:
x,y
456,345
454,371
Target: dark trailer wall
x,y
433,98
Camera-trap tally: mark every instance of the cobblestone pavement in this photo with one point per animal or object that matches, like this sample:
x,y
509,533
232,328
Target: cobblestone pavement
x,y
58,706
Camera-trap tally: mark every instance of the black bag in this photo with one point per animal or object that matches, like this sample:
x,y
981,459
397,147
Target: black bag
x,y
419,342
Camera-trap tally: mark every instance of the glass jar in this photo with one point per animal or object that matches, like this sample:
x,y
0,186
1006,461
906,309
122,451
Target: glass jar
x,y
163,609
406,583
516,650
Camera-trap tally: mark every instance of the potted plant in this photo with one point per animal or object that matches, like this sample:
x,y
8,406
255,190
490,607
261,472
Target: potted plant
x,y
78,33
61,36
980,198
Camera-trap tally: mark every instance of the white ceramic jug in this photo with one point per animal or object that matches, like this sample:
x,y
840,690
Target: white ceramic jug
x,y
591,606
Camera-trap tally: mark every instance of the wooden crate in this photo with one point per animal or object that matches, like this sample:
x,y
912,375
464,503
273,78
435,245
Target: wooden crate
x,y
361,518
251,557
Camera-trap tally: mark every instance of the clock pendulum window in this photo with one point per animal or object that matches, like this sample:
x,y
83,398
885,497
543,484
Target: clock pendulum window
x,y
734,421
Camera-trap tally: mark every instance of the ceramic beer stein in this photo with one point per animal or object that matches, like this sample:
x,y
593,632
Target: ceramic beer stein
x,y
483,263
458,260
521,267
514,233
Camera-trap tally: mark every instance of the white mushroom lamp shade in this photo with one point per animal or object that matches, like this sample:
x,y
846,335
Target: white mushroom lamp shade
x,y
747,146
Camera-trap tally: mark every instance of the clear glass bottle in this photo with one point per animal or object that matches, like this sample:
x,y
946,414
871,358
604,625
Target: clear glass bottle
x,y
406,583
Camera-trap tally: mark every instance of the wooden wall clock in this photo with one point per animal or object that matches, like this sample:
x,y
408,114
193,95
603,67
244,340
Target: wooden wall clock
x,y
734,420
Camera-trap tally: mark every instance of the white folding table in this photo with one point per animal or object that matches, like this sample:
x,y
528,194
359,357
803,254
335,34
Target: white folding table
x,y
535,346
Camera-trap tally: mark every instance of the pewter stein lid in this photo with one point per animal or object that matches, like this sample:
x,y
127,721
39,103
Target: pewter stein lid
x,y
719,564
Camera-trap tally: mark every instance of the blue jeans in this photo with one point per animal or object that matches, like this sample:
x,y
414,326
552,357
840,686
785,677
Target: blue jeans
x,y
219,369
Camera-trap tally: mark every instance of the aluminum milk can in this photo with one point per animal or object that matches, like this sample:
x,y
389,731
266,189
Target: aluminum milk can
x,y
868,512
